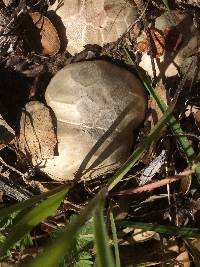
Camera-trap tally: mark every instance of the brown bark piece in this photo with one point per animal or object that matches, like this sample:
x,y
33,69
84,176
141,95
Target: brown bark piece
x,y
6,133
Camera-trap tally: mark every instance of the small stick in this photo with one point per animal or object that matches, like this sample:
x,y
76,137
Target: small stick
x,y
152,186
11,167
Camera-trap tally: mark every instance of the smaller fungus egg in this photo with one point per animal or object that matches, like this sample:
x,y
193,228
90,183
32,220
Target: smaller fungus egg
x,y
94,22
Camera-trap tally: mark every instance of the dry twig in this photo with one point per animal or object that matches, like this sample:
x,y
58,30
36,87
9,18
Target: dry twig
x,y
157,184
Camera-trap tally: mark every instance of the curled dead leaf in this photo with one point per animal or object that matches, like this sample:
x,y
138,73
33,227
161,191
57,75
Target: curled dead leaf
x,y
49,37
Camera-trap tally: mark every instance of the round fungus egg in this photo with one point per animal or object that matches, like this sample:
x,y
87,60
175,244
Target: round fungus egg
x,y
97,106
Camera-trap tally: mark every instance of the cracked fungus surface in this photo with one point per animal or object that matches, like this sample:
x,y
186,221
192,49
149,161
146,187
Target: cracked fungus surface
x,y
94,22
93,94
97,105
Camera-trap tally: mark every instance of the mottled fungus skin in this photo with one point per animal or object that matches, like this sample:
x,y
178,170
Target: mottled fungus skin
x,y
94,22
97,105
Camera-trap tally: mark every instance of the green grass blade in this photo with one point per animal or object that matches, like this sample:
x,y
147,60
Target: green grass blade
x,y
101,240
173,123
115,241
138,152
103,252
27,203
165,2
31,219
175,128
63,244
164,229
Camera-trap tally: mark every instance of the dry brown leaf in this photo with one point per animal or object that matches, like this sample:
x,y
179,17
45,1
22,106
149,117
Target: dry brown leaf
x,y
49,36
37,138
159,42
185,184
158,45
194,245
183,259
197,119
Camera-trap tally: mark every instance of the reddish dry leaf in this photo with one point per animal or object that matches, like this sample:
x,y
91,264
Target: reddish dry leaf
x,y
142,46
159,42
170,41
